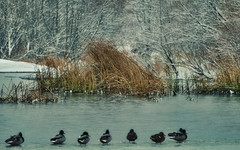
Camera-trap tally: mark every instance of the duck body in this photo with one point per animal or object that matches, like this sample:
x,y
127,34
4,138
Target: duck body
x,y
106,137
131,136
84,138
59,138
15,140
179,136
158,138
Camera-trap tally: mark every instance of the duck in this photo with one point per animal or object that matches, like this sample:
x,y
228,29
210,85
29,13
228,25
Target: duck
x,y
106,137
59,138
131,136
179,136
15,140
84,138
158,138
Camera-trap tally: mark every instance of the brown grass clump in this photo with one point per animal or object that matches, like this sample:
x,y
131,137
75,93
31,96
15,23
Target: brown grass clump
x,y
102,68
228,72
64,75
50,61
24,93
226,66
116,72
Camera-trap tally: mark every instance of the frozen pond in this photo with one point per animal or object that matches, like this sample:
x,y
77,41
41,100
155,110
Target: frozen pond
x,y
7,79
212,122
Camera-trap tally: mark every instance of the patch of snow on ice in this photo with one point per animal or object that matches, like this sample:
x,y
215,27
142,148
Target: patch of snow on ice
x,y
17,66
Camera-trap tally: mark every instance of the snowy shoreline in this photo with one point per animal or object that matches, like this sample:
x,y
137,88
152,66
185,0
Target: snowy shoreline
x,y
9,66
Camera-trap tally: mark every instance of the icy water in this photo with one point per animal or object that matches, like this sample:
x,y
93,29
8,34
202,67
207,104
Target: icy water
x,y
212,122
7,79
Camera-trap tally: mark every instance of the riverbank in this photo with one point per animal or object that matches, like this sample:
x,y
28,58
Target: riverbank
x,y
105,69
10,66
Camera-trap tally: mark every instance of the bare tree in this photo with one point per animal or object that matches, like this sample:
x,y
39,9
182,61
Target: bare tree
x,y
177,33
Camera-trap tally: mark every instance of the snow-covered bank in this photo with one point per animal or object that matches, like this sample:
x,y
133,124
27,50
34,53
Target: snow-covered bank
x,y
8,66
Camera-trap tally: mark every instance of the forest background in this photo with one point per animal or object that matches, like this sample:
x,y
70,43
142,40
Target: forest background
x,y
171,38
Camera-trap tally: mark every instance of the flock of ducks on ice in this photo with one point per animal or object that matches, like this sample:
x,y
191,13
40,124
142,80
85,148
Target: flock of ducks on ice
x,y
178,136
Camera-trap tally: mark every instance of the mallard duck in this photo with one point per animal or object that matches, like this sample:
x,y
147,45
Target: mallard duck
x,y
84,138
158,138
106,137
131,136
15,140
59,138
179,136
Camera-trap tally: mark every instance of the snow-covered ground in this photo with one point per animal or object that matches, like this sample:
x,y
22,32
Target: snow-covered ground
x,y
8,66
16,72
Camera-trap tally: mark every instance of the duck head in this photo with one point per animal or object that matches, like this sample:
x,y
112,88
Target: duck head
x,y
131,130
107,131
85,133
183,131
162,134
20,134
61,132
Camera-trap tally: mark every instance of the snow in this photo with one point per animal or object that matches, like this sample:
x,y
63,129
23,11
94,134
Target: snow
x,y
8,66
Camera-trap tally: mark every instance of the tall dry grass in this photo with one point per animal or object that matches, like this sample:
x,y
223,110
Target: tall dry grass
x,y
228,72
226,66
24,93
102,68
116,72
62,74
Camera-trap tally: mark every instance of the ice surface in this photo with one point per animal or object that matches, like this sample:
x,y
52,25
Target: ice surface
x,y
16,66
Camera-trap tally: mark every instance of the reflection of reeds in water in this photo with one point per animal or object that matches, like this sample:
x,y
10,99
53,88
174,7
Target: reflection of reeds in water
x,y
104,69
24,93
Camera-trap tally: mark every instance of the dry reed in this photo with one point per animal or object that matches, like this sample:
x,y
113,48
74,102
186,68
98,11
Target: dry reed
x,y
228,73
116,72
24,93
102,68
